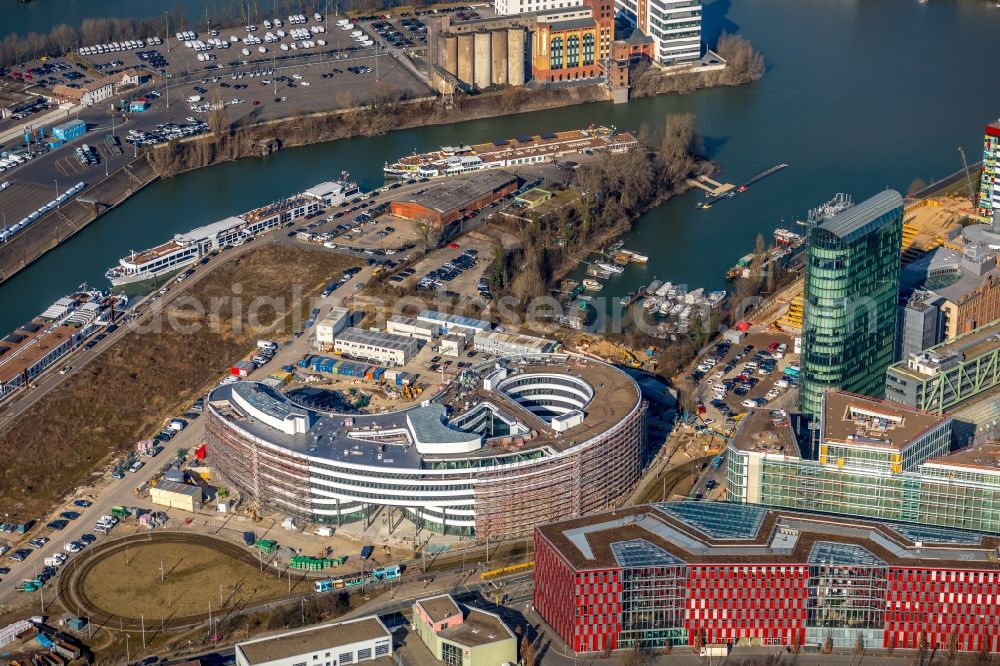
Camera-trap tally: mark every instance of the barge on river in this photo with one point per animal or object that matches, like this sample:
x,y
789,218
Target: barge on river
x,y
455,160
187,248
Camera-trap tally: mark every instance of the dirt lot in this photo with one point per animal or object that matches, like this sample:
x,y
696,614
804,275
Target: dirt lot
x,y
128,583
123,395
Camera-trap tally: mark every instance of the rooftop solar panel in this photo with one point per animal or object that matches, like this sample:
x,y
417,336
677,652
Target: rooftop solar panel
x,y
640,553
32,327
719,520
524,139
14,338
549,135
828,552
502,142
930,534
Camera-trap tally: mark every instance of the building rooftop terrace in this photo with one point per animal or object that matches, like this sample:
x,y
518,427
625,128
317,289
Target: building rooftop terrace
x,y
855,419
774,536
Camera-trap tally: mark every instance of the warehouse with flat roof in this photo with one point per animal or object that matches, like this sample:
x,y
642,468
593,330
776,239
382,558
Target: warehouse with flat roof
x,y
411,328
512,344
444,202
355,641
376,346
333,323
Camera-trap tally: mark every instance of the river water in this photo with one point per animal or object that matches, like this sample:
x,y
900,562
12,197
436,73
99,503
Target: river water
x,y
859,95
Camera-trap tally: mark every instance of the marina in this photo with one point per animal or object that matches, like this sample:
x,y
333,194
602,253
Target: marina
x,y
533,149
787,246
62,327
187,248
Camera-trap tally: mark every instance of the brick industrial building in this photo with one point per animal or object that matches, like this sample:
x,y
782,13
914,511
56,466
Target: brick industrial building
x,y
446,201
717,573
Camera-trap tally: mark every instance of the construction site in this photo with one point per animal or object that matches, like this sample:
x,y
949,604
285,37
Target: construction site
x,y
444,464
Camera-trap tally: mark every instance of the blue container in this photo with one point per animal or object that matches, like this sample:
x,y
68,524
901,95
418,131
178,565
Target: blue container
x,y
70,130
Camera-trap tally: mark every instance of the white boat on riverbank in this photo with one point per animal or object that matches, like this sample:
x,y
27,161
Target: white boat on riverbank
x,y
187,248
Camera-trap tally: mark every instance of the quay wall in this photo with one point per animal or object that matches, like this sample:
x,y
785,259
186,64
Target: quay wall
x,y
72,217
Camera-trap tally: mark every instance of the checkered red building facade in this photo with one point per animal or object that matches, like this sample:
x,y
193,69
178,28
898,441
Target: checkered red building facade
x,y
939,602
584,607
769,602
729,602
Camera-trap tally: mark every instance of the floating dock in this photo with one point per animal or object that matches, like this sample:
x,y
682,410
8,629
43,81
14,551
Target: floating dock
x,y
712,188
742,188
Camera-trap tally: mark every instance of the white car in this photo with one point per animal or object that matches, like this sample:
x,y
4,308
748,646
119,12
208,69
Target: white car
x,y
749,403
71,547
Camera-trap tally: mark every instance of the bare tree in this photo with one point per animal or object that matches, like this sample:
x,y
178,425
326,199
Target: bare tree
x,y
527,652
922,646
916,185
218,118
743,64
634,656
699,641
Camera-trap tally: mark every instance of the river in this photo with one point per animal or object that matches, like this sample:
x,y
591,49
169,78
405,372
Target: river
x,y
858,96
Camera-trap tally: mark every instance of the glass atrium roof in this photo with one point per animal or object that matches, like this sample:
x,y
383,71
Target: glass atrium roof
x,y
930,534
719,520
640,553
828,552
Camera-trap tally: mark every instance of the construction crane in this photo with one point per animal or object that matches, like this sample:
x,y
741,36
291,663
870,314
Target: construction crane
x,y
968,176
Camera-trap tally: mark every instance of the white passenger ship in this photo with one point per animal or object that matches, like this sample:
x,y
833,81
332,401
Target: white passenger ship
x,y
185,249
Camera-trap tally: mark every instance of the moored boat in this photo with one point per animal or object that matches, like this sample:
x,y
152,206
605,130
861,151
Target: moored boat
x,y
611,268
592,285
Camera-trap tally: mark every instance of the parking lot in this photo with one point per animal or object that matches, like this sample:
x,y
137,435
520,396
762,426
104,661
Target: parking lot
x,y
454,270
403,32
239,73
757,371
21,198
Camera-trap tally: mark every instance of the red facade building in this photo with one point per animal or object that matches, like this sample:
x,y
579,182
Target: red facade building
x,y
719,573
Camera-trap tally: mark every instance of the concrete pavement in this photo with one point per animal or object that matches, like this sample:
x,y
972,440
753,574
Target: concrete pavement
x,y
54,116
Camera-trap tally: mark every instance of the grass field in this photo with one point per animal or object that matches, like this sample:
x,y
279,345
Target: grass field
x,y
193,574
126,393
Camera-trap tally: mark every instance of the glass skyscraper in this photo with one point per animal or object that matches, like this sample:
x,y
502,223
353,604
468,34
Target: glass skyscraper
x,y
851,293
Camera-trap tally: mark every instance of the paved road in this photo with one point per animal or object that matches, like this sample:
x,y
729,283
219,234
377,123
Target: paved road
x,y
17,405
110,492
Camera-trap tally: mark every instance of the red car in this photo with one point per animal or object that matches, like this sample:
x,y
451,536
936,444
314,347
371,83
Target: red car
x,y
256,102
453,246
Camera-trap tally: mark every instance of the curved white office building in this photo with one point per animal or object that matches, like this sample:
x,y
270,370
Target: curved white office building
x,y
503,447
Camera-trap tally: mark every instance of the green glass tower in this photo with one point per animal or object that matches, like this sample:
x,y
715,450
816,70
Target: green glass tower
x,y
851,294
